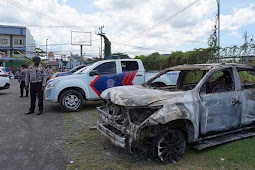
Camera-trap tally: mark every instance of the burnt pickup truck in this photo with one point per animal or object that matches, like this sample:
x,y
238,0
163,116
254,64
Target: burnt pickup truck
x,y
211,104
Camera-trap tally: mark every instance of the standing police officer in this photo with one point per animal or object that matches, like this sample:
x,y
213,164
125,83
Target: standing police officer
x,y
37,79
22,77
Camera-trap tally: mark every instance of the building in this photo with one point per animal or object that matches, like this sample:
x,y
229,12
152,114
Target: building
x,y
55,64
13,39
51,56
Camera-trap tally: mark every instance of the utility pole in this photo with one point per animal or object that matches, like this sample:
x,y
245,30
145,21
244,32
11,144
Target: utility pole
x,y
81,56
218,4
245,47
46,51
101,33
245,36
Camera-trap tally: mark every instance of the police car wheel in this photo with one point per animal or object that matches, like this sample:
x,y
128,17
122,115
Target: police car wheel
x,y
71,101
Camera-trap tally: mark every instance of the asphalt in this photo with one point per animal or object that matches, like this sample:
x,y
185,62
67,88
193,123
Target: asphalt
x,y
30,141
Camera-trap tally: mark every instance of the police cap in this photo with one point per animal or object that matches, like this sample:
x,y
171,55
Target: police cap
x,y
36,58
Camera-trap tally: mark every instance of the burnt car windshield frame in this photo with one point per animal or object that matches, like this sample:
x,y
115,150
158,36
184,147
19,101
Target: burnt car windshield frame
x,y
178,68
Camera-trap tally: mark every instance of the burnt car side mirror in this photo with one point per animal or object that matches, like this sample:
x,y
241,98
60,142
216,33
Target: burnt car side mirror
x,y
93,73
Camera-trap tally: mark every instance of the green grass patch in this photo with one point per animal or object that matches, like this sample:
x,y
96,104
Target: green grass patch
x,y
92,150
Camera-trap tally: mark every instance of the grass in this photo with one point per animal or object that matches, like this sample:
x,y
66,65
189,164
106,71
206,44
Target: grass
x,y
91,150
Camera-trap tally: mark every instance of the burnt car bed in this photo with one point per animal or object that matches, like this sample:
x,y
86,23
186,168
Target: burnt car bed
x,y
208,101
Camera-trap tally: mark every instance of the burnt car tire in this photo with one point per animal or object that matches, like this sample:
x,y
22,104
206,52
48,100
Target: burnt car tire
x,y
170,146
71,101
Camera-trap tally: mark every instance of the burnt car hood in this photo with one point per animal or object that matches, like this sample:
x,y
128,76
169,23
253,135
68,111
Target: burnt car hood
x,y
139,96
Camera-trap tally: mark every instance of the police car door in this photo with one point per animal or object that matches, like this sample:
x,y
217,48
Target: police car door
x,y
102,77
131,74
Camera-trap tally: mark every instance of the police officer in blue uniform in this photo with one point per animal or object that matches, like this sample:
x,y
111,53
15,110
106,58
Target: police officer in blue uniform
x,y
37,79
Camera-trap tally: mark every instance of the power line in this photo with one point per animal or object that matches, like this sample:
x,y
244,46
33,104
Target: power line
x,y
39,14
59,44
162,22
56,26
145,48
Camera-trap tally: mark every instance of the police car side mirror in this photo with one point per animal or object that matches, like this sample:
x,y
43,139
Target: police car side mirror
x,y
93,73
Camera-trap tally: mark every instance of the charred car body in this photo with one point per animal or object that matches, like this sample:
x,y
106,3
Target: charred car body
x,y
208,101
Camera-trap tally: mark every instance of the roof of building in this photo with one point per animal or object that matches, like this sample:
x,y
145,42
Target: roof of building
x,y
53,63
51,55
11,26
12,30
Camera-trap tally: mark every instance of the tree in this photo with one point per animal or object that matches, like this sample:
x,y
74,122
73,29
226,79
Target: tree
x,y
107,46
38,50
122,55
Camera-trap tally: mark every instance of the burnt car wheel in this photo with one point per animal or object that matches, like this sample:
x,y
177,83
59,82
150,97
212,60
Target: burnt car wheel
x,y
171,146
71,101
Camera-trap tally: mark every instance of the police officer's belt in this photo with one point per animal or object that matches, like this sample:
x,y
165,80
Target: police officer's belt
x,y
36,81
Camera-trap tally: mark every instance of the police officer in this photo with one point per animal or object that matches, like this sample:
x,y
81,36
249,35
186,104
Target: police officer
x,y
37,79
22,77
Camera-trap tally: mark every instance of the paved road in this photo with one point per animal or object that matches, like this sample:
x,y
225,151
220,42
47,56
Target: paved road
x,y
30,141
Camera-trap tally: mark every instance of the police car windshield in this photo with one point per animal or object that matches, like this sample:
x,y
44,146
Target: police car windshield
x,y
77,68
81,70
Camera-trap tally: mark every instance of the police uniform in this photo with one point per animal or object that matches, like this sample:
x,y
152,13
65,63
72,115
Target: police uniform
x,y
22,77
37,79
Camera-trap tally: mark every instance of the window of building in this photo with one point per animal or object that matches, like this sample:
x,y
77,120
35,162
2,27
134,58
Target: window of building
x,y
21,42
3,41
18,42
106,68
5,51
129,66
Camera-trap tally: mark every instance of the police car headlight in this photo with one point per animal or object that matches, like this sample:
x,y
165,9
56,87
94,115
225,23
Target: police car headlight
x,y
51,84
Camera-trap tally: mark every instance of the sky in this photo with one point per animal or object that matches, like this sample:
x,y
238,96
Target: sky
x,y
125,20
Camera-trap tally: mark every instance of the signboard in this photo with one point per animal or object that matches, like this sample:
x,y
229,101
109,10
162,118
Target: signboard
x,y
81,38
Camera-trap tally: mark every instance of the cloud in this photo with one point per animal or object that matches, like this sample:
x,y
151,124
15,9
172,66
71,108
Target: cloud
x,y
240,17
118,5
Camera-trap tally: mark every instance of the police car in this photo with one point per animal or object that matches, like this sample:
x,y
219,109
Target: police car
x,y
71,91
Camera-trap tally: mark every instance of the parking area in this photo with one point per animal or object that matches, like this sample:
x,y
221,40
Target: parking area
x,y
30,141
58,140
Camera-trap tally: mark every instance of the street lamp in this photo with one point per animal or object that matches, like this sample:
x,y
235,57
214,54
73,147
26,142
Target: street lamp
x,y
218,5
46,51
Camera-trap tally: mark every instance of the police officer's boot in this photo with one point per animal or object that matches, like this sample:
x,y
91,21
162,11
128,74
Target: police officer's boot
x,y
21,93
29,112
40,112
26,93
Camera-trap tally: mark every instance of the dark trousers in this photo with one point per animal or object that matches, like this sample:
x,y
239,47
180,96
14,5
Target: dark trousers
x,y
35,89
22,86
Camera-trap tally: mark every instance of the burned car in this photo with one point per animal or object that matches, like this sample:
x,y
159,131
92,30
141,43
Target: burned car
x,y
208,103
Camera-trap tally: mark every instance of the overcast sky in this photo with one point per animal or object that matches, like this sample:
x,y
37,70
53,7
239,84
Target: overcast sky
x,y
123,19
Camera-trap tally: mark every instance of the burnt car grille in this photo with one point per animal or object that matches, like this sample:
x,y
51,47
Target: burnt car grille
x,y
120,116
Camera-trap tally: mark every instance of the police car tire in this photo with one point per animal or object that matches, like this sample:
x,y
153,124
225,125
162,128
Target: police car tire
x,y
63,98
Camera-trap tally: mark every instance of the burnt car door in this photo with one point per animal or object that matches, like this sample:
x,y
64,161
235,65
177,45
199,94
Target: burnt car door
x,y
247,82
221,102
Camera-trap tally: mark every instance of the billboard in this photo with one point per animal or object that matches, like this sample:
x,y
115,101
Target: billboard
x,y
81,38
